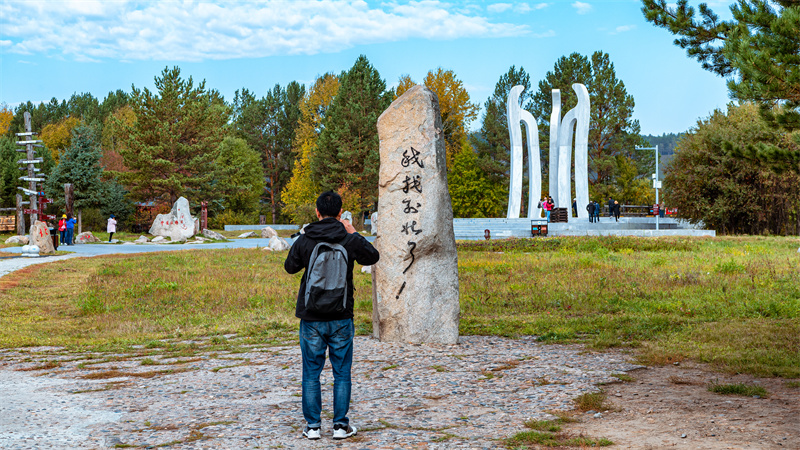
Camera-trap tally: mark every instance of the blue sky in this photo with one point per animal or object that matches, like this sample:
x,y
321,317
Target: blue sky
x,y
73,46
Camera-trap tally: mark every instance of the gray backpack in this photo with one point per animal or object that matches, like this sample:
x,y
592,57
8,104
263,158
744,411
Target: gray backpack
x,y
326,278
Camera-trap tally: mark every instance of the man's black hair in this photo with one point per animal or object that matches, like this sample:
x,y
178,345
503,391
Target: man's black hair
x,y
329,204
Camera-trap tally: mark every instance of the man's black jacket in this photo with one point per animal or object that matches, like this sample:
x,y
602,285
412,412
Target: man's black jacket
x,y
328,230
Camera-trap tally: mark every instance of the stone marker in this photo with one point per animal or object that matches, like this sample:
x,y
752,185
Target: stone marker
x,y
268,232
17,240
85,238
415,283
213,235
176,225
40,237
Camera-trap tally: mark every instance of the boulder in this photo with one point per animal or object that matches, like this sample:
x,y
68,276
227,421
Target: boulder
x,y
40,237
415,283
278,244
141,240
17,240
268,232
249,234
213,235
86,237
178,224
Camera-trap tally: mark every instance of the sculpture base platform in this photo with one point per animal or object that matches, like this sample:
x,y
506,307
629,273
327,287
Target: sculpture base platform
x,y
474,229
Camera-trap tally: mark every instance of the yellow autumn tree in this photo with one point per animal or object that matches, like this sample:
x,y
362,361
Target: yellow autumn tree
x,y
6,116
454,105
58,136
113,138
300,194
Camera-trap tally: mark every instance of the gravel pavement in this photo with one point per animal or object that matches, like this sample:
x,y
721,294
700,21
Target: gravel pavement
x,y
470,395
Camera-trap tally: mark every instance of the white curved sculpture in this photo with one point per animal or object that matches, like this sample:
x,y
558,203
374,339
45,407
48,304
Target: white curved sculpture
x,y
577,120
561,131
516,115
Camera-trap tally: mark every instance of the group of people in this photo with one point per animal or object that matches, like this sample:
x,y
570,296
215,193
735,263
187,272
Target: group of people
x,y
594,209
66,228
547,205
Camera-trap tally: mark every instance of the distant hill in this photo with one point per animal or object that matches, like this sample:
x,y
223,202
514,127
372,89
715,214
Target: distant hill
x,y
666,142
666,147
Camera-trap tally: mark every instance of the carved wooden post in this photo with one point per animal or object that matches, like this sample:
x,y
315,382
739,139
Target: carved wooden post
x,y
20,217
68,198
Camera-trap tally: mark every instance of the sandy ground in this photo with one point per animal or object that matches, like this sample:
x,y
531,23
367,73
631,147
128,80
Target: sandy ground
x,y
671,407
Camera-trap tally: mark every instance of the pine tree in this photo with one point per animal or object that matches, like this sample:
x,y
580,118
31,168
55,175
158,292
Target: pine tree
x,y
347,156
757,52
171,146
471,192
612,131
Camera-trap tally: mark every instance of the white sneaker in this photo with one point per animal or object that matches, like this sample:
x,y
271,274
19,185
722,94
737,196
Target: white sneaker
x,y
311,433
342,432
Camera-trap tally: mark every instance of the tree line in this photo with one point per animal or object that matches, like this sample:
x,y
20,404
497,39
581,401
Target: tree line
x,y
273,154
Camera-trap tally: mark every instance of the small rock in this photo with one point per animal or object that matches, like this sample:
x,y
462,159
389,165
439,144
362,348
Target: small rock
x,y
598,416
366,269
683,436
86,237
142,240
249,234
268,232
278,244
675,363
158,239
18,240
213,235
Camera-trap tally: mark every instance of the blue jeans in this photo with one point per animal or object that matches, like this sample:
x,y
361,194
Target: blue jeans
x,y
337,337
70,232
547,214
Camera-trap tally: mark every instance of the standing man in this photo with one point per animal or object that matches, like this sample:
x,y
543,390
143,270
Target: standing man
x,y
590,208
333,330
70,229
610,207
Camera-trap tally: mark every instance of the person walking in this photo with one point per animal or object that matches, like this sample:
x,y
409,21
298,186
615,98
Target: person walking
x,y
333,330
610,207
111,228
70,223
62,229
616,210
590,208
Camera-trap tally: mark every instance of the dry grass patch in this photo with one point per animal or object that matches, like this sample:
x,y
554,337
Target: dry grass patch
x,y
114,373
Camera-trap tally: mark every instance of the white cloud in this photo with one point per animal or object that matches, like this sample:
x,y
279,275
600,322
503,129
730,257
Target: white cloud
x,y
546,34
623,28
582,8
499,7
192,30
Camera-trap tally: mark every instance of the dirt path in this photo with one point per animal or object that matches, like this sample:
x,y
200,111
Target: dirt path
x,y
664,404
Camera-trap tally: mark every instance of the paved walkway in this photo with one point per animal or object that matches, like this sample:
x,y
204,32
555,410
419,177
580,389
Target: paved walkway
x,y
8,265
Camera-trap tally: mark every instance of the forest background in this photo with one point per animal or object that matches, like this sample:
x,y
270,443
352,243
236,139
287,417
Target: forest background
x,y
271,155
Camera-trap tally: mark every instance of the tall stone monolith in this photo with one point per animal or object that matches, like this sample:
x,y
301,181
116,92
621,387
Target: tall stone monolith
x,y
415,283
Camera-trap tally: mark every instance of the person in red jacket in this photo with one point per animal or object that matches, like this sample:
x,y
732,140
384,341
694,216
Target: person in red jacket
x,y
62,229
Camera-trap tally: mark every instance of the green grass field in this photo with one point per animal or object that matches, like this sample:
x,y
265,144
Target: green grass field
x,y
733,302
